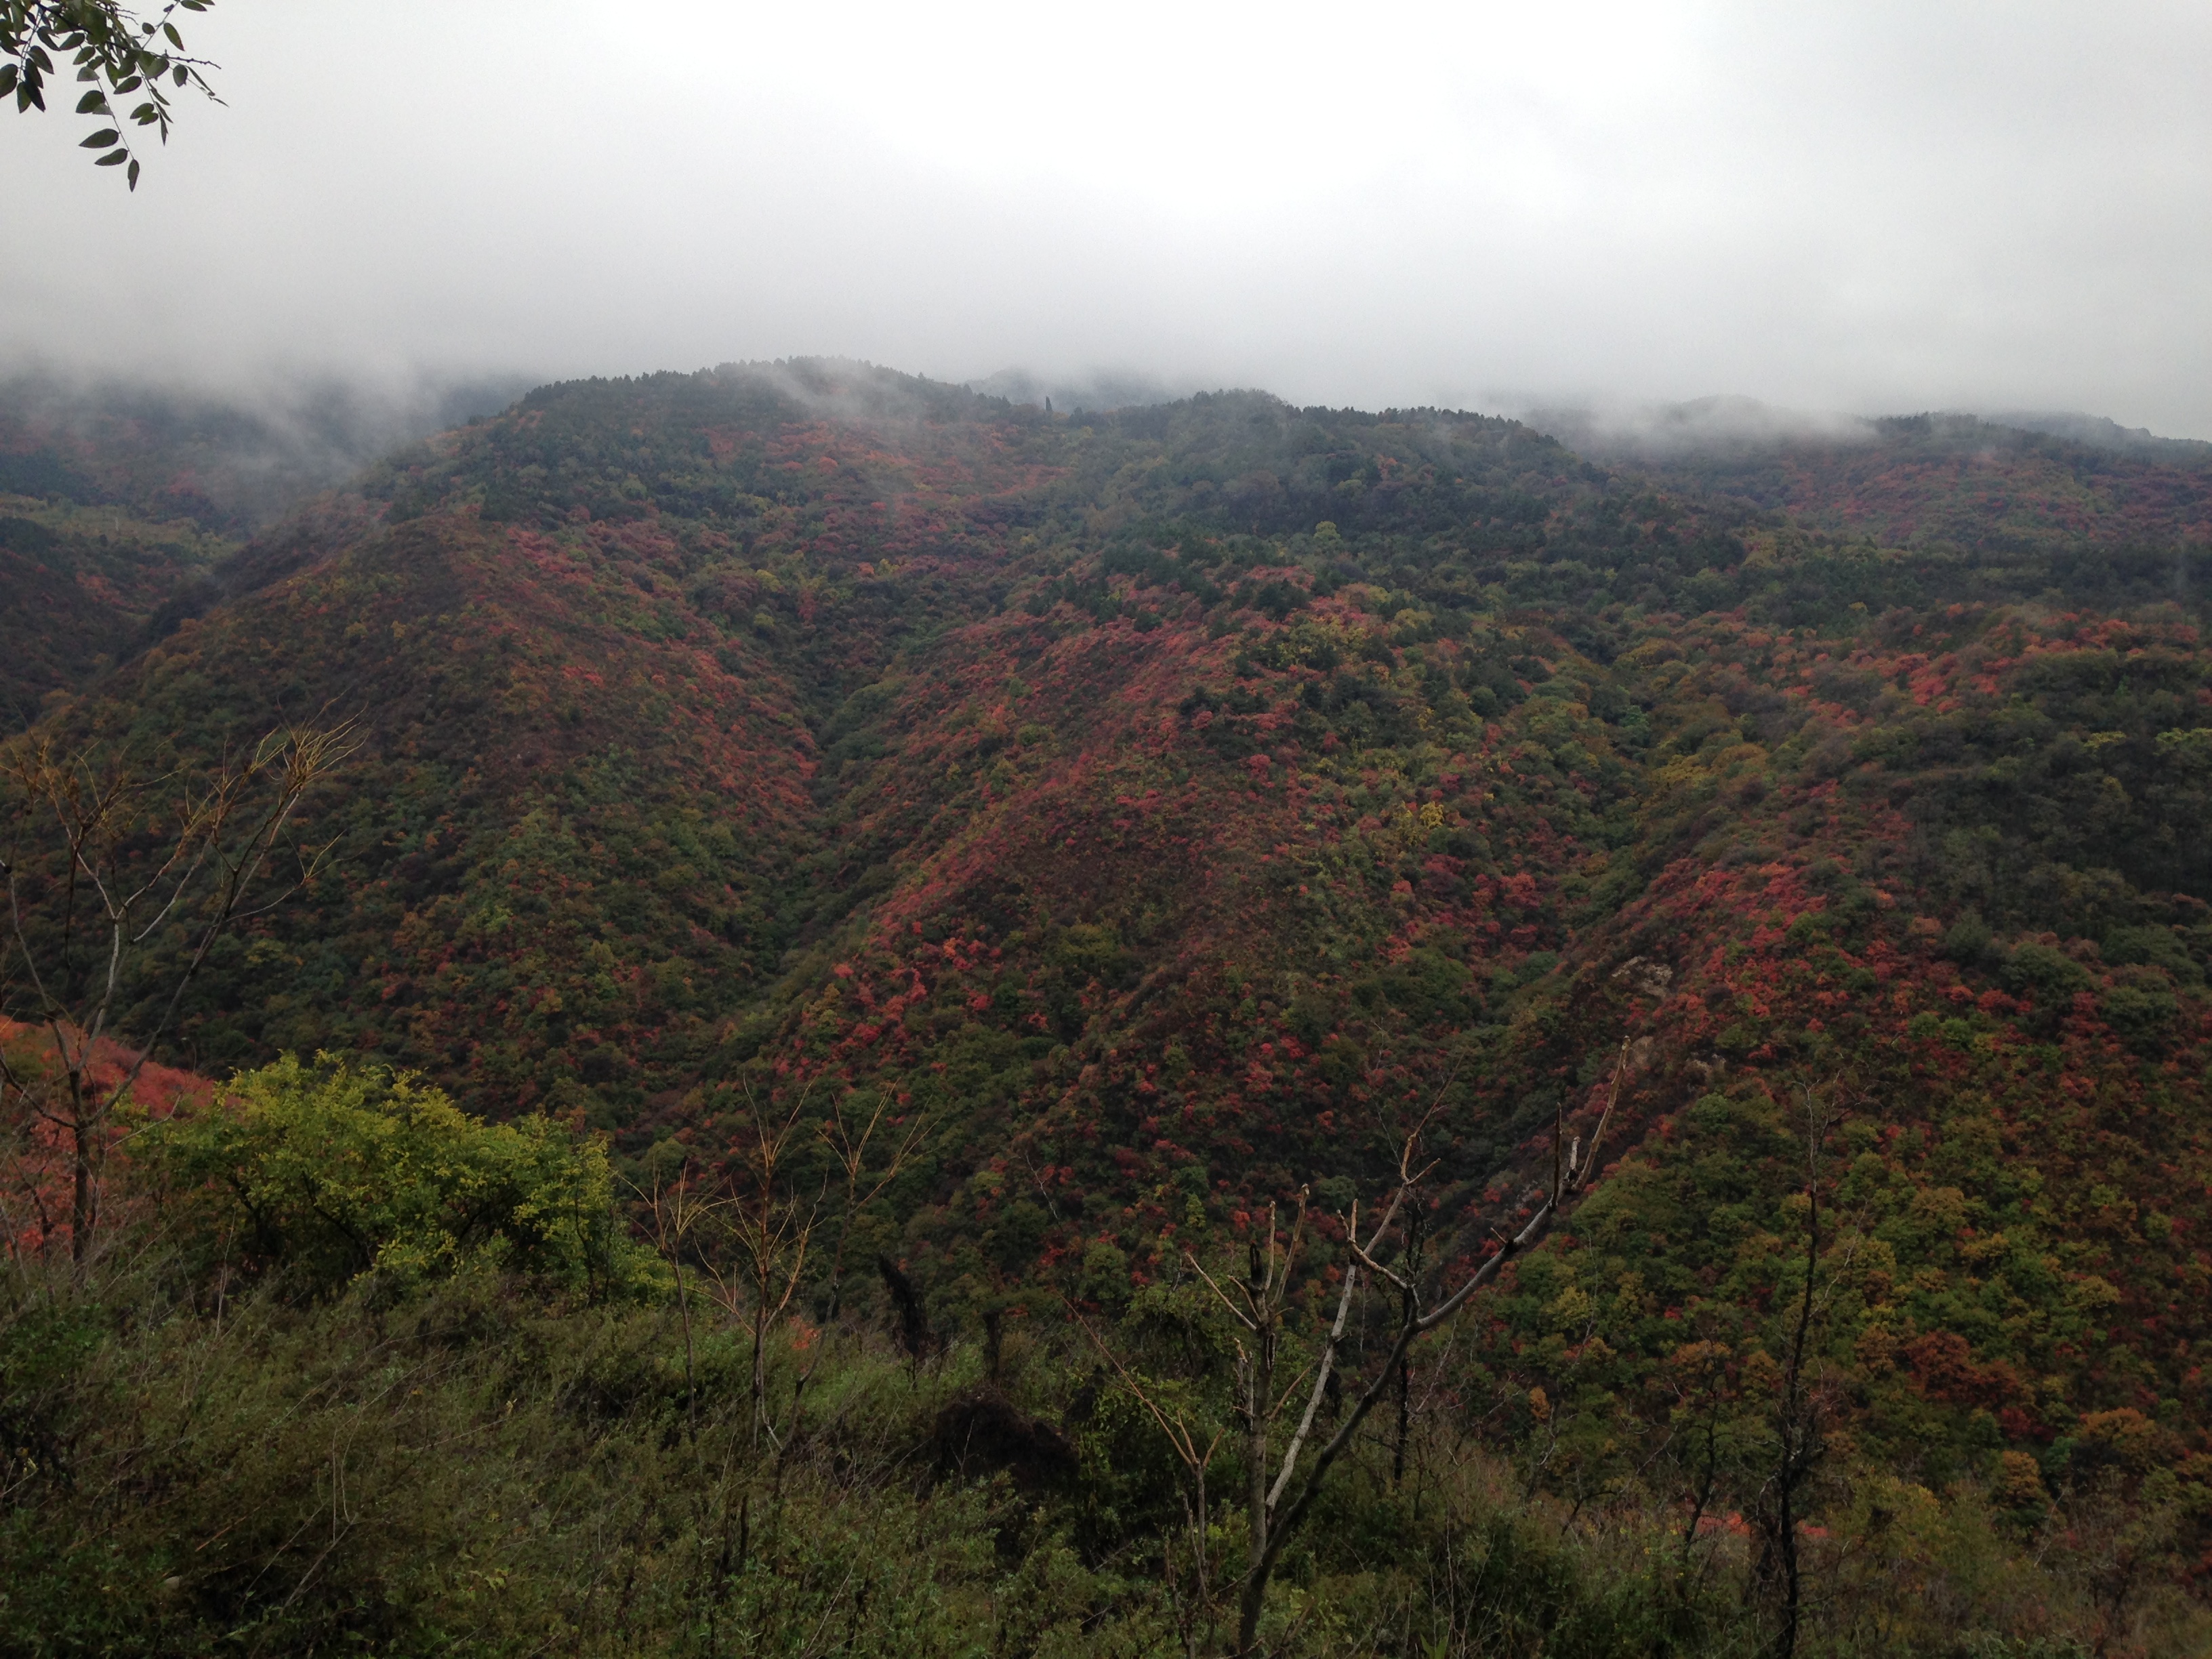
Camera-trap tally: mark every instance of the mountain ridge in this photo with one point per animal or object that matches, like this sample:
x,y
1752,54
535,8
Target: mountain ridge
x,y
1160,814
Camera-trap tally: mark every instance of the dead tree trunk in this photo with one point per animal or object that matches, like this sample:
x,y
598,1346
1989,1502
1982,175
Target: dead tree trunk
x,y
1278,1505
101,859
1800,1440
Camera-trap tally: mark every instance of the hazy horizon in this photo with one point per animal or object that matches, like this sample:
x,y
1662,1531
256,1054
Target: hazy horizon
x,y
1848,208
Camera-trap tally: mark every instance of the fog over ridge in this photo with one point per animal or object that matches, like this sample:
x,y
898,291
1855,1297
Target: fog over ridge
x,y
247,454
1850,206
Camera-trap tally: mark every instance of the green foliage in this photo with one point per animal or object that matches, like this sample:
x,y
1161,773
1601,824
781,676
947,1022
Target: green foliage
x,y
88,588
463,1472
331,1171
462,1468
1164,810
118,52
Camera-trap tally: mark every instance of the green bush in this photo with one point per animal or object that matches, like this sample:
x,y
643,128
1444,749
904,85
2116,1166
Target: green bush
x,y
328,1172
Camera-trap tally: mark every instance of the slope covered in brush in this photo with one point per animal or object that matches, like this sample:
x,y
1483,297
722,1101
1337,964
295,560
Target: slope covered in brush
x,y
118,503
229,462
1169,809
601,699
1985,493
87,586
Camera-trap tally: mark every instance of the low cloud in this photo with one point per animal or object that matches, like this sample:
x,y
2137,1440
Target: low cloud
x,y
1701,426
1875,208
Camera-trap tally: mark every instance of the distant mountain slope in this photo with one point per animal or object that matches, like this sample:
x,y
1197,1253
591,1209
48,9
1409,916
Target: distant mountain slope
x,y
1950,480
2046,483
117,503
85,586
624,610
229,462
2101,432
1173,806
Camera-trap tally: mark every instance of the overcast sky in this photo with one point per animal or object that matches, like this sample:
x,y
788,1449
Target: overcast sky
x,y
1858,205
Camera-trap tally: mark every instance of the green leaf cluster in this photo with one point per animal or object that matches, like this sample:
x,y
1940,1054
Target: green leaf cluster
x,y
112,49
328,1172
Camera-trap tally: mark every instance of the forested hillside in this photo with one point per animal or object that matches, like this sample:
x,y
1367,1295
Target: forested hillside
x,y
1152,815
116,503
2059,489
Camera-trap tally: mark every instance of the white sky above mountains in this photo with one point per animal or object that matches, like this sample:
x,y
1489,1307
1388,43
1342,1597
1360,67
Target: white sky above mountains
x,y
1832,205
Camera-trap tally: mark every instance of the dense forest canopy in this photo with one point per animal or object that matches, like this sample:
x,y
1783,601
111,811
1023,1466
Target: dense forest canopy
x,y
1144,818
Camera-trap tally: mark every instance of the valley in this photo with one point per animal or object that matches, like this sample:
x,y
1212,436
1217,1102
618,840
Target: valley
x,y
1155,814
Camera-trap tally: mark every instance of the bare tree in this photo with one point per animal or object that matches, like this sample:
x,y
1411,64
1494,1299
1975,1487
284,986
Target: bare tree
x,y
106,862
864,1182
1800,1433
1698,1376
1195,1608
676,1211
769,1228
1279,1492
